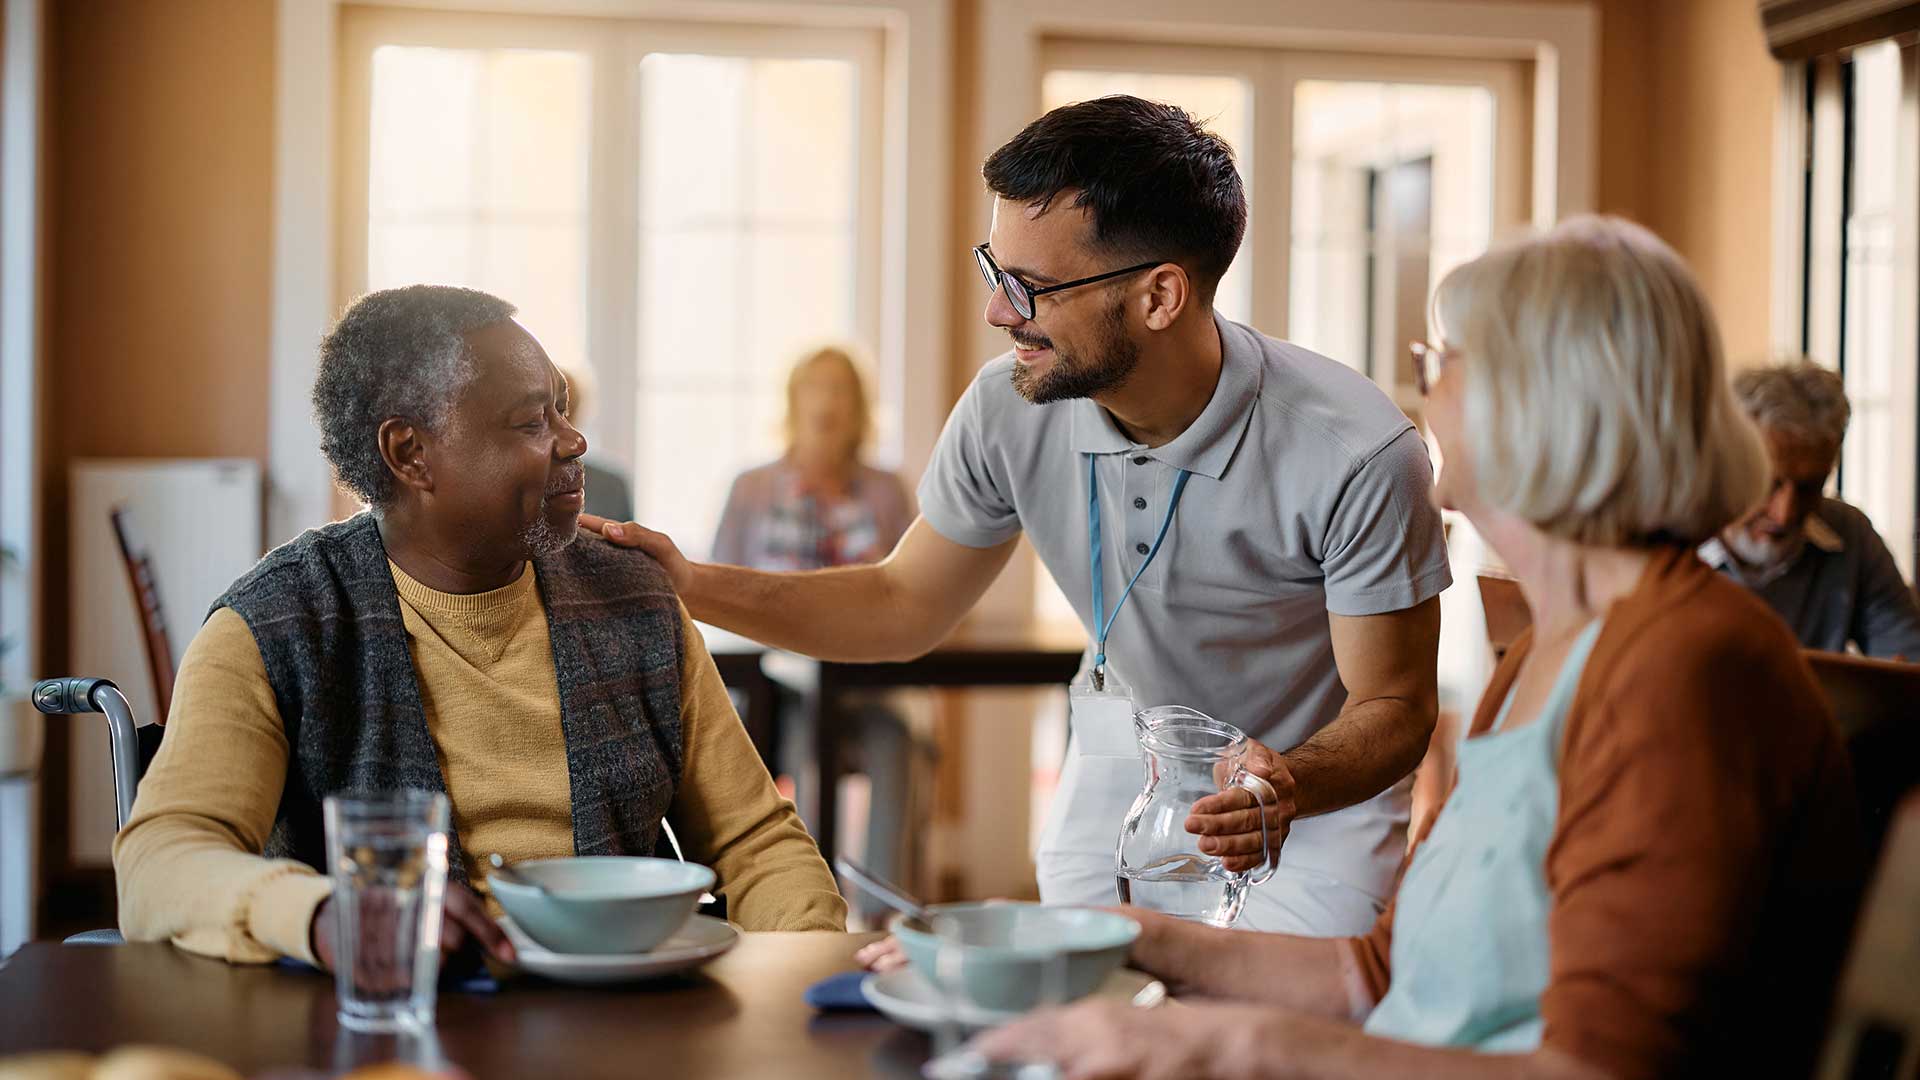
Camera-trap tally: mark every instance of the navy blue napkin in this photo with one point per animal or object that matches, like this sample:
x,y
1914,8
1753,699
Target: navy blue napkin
x,y
839,993
476,982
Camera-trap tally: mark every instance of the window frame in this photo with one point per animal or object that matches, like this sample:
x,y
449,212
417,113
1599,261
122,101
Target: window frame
x,y
1812,205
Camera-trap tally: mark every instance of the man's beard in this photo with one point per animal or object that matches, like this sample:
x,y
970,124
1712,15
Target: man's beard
x,y
1763,559
539,537
1115,355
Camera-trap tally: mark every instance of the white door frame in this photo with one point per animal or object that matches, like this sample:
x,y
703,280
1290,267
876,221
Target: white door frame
x,y
22,140
916,210
24,71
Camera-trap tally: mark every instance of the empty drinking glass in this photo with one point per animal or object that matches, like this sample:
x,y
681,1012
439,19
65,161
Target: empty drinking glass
x,y
388,855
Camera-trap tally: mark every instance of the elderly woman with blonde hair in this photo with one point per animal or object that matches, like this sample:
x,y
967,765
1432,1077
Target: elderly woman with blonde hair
x,y
1648,863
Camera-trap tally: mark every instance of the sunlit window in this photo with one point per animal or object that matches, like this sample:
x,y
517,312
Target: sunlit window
x,y
1877,467
477,176
1392,186
679,209
747,239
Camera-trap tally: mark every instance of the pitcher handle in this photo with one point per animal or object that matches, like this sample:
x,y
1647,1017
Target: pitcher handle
x,y
1263,796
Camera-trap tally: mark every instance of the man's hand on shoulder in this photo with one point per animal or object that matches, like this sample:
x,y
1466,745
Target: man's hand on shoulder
x,y
659,545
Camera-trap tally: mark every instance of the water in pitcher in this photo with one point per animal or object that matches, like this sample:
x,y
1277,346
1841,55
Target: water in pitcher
x,y
1158,864
1185,885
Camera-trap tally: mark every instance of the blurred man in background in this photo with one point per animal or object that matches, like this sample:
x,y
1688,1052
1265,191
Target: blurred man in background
x,y
1816,561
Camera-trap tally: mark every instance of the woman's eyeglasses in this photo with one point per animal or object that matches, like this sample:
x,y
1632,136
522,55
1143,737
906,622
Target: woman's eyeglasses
x,y
1021,295
1428,362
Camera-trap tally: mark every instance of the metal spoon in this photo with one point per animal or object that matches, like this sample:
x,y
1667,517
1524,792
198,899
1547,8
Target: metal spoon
x,y
504,872
883,890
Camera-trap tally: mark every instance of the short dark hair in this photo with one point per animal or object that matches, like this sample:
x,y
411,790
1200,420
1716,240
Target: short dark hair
x,y
1157,183
396,352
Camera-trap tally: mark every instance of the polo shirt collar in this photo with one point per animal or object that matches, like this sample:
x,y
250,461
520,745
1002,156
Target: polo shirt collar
x,y
1821,535
1714,553
1209,442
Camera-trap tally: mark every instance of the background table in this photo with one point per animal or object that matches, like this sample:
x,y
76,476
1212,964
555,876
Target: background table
x,y
974,657
741,1016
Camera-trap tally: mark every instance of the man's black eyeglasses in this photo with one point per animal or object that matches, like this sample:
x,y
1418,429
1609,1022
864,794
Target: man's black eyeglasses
x,y
1021,295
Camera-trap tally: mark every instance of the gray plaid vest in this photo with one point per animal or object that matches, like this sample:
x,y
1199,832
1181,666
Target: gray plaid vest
x,y
324,611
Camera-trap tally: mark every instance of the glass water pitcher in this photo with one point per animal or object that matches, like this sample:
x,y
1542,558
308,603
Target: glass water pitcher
x,y
1159,865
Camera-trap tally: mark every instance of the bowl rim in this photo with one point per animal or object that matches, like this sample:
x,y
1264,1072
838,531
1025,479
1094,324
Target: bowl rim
x,y
703,880
896,926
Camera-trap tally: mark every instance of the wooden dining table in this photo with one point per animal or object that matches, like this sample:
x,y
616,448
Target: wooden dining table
x,y
741,1016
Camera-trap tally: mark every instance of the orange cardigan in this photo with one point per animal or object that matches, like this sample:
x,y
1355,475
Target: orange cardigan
x,y
1706,858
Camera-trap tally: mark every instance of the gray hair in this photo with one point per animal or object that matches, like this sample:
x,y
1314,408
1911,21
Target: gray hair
x,y
1798,399
396,352
1598,409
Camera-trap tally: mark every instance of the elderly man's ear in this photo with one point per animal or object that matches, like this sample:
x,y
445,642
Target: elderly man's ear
x,y
403,447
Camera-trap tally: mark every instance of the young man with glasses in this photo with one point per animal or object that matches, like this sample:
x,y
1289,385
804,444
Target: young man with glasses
x,y
1259,515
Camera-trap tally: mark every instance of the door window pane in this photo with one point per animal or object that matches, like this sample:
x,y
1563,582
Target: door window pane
x,y
477,176
1392,186
748,235
1223,103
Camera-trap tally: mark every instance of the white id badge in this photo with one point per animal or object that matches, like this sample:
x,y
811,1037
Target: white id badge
x,y
1102,720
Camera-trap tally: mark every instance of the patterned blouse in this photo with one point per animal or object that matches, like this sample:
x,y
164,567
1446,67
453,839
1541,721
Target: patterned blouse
x,y
775,521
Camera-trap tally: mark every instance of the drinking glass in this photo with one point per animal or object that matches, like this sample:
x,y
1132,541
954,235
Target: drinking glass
x,y
388,855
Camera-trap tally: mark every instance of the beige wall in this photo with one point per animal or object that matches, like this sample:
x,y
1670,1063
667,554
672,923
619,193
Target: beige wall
x,y
1687,101
160,200
160,186
1706,169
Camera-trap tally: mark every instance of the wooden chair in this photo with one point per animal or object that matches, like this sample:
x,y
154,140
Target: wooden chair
x,y
1877,703
1507,612
1876,1026
153,623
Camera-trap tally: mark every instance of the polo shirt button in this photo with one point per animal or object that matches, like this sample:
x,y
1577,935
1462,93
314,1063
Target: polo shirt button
x,y
1141,460
1142,548
1139,503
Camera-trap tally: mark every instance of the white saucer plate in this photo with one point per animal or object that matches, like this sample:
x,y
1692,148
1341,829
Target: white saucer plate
x,y
699,941
904,997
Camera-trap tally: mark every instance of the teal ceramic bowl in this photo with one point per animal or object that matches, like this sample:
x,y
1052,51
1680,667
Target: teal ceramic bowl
x,y
1006,948
603,904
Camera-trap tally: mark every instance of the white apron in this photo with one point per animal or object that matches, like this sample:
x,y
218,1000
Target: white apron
x,y
1105,772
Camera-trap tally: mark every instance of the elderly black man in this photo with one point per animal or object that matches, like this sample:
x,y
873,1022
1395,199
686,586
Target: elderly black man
x,y
459,635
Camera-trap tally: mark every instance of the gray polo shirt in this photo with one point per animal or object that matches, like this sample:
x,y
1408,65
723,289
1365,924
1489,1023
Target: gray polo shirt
x,y
1310,493
1843,587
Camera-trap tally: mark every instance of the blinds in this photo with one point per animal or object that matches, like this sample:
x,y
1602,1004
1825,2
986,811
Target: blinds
x,y
1802,29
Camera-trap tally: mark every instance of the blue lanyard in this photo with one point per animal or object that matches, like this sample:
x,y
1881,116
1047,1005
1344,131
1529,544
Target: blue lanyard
x,y
1103,621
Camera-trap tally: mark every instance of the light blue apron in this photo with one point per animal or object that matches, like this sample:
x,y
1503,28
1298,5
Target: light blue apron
x,y
1470,923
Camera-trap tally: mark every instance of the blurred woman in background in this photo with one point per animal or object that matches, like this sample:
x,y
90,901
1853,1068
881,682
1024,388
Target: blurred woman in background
x,y
819,506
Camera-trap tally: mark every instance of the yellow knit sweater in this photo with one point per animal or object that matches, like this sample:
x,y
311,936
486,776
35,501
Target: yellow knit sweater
x,y
187,866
